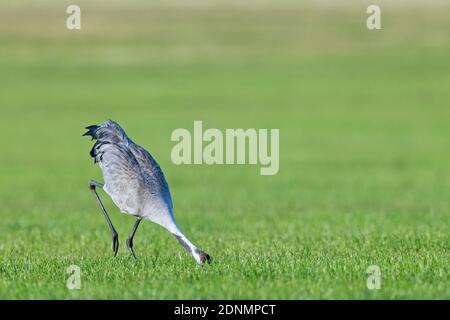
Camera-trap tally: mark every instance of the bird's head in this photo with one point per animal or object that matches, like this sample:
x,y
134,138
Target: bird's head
x,y
202,257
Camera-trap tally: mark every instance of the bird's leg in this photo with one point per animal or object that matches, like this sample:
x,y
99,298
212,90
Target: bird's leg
x,y
115,237
130,238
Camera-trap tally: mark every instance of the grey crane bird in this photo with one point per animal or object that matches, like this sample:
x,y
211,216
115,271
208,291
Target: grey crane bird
x,y
136,185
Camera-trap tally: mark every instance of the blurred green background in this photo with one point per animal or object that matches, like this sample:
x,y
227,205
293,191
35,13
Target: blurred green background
x,y
364,123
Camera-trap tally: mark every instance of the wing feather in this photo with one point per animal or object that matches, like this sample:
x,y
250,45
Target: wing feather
x,y
132,176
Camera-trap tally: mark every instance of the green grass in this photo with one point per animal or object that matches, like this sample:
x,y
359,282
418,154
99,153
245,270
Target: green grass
x,y
364,166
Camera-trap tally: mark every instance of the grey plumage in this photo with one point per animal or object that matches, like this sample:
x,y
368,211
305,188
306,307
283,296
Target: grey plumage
x,y
135,181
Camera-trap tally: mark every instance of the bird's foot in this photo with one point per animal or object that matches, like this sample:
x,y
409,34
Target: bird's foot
x,y
115,246
130,248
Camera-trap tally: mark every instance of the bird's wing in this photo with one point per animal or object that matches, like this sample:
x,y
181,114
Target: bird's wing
x,y
128,169
152,171
123,177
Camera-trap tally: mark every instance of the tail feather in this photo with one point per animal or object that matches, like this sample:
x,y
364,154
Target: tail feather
x,y
107,132
91,131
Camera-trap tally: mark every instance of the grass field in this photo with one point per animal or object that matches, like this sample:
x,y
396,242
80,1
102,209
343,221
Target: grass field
x,y
364,123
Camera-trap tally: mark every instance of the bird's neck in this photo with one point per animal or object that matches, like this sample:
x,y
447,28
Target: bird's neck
x,y
189,246
169,223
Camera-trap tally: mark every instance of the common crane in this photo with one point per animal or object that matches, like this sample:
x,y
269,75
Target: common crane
x,y
136,185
